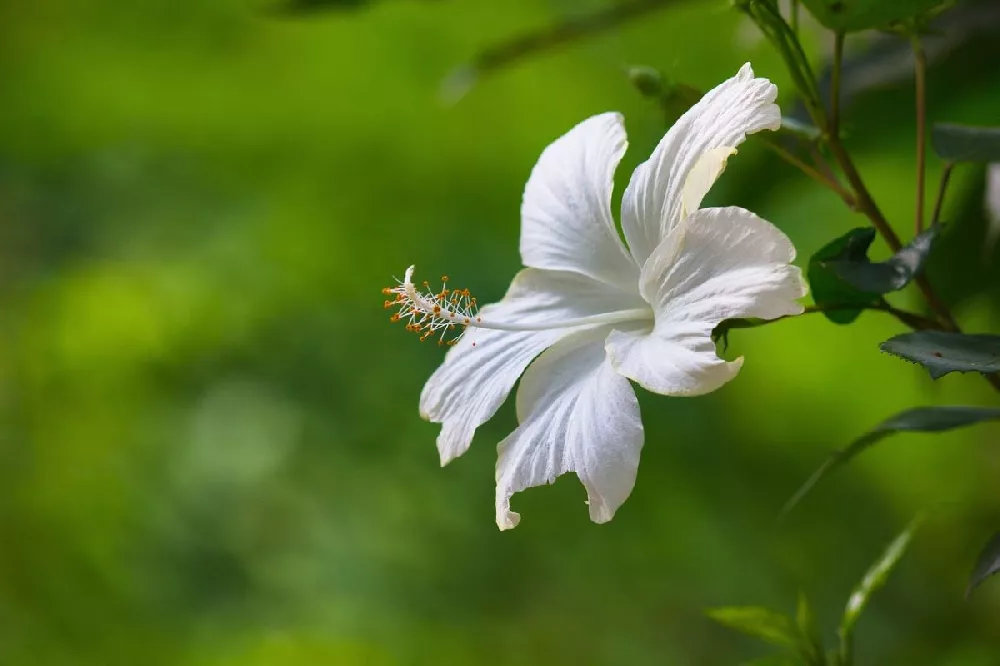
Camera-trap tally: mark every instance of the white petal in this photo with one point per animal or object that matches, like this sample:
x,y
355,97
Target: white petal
x,y
992,204
702,176
566,221
479,372
577,415
718,264
652,202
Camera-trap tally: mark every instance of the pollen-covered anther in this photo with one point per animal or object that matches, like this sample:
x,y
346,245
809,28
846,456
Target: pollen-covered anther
x,y
445,313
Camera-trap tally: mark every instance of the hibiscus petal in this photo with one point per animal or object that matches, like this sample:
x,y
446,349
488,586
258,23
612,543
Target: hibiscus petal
x,y
566,221
652,202
720,263
702,176
479,372
577,415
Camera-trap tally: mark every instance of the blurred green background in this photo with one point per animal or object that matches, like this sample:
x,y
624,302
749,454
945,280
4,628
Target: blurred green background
x,y
210,451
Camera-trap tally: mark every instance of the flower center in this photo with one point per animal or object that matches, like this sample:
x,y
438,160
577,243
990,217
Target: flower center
x,y
448,313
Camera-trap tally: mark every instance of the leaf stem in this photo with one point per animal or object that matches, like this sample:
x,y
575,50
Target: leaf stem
x,y
920,76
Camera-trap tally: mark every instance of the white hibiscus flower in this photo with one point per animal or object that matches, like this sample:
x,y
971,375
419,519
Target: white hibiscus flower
x,y
598,313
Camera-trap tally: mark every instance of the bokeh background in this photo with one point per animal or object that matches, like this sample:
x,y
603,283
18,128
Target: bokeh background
x,y
210,451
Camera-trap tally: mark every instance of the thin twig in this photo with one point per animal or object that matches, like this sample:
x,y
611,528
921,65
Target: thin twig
x,y
942,188
838,63
815,174
920,75
506,53
865,202
913,320
868,207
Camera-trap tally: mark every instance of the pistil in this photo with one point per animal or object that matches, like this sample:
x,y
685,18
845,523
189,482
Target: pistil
x,y
451,312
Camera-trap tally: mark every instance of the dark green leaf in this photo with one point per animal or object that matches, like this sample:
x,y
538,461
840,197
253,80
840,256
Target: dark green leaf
x,y
942,352
852,15
763,623
919,419
891,275
964,143
828,289
874,579
987,564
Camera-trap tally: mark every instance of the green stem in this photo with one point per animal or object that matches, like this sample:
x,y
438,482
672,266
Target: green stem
x,y
838,62
920,76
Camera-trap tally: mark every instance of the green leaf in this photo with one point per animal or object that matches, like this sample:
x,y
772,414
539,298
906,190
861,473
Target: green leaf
x,y
812,642
942,352
891,275
768,625
852,15
987,564
874,579
919,419
965,143
828,289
